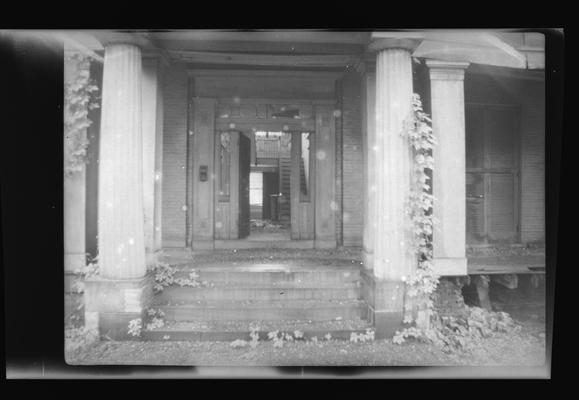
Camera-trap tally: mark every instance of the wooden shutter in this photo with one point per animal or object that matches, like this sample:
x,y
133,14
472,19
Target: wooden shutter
x,y
501,207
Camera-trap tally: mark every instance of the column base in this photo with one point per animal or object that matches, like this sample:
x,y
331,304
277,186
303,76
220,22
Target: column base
x,y
111,304
385,300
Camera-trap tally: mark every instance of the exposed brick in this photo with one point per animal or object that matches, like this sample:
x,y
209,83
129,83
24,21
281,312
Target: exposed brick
x,y
352,162
174,157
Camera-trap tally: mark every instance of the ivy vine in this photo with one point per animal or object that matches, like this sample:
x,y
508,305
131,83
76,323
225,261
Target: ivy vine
x,y
424,280
450,333
79,99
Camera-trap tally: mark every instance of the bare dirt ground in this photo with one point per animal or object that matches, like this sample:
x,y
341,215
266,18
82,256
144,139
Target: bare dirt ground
x,y
527,348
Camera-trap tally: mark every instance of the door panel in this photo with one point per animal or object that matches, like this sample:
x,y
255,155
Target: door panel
x,y
244,169
302,185
227,185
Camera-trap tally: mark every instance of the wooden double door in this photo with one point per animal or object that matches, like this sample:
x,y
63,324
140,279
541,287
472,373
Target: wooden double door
x,y
232,168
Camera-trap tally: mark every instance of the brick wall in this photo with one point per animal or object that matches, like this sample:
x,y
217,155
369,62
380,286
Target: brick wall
x,y
174,156
448,299
352,162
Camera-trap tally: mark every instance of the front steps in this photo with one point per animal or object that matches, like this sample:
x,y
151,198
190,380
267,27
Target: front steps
x,y
314,299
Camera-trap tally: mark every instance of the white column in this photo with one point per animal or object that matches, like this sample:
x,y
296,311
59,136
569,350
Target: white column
x,y
120,225
152,107
449,190
393,258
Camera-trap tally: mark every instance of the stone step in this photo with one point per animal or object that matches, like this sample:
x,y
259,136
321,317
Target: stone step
x,y
270,274
270,292
311,310
232,330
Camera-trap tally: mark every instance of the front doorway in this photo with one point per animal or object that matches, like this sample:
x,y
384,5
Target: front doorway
x,y
264,185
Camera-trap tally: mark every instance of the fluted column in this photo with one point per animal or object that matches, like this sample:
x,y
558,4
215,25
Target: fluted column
x,y
393,259
449,174
120,225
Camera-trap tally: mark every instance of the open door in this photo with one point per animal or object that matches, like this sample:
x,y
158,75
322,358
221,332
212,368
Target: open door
x,y
302,185
232,157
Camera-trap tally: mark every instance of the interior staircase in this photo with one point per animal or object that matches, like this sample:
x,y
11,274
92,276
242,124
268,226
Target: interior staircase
x,y
304,295
284,179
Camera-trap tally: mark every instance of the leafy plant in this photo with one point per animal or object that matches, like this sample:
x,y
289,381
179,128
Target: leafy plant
x,y
254,335
155,319
164,275
78,337
461,333
86,272
423,281
368,336
135,327
79,98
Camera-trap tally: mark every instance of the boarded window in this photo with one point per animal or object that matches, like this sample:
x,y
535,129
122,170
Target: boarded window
x,y
492,173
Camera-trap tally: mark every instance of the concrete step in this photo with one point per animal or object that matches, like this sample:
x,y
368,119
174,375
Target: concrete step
x,y
272,292
310,310
232,330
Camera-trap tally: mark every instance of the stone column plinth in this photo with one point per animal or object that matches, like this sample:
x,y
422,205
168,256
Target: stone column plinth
x,y
393,259
119,294
449,174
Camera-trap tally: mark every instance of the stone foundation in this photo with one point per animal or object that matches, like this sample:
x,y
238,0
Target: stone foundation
x,y
111,304
385,301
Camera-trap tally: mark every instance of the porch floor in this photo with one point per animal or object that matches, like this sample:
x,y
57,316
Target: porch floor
x,y
507,260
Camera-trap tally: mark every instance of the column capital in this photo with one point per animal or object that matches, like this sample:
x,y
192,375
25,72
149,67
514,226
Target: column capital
x,y
127,38
380,44
446,70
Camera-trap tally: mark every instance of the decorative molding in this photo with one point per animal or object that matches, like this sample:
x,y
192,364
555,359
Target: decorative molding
x,y
446,70
321,60
409,44
230,73
107,38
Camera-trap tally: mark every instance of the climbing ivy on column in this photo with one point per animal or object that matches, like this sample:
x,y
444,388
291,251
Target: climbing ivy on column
x,y
79,99
423,282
